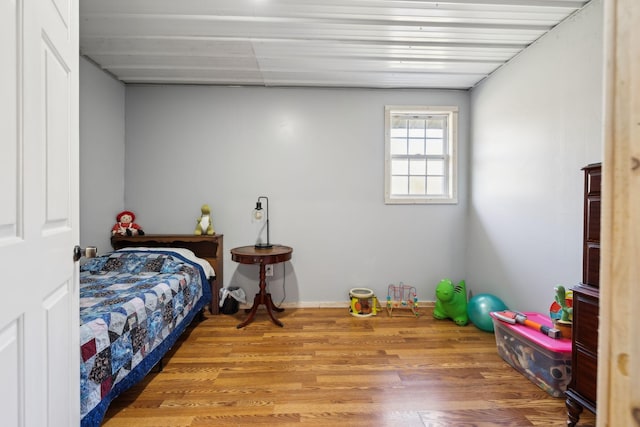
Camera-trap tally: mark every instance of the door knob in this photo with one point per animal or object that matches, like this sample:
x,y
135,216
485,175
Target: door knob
x,y
88,252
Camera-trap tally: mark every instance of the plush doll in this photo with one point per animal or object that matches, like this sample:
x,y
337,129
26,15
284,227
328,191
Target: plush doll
x,y
451,302
125,225
204,223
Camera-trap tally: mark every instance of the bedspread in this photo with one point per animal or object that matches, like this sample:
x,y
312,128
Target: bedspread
x,y
133,307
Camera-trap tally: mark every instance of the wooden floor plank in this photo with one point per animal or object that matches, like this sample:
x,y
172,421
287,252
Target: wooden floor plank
x,y
328,368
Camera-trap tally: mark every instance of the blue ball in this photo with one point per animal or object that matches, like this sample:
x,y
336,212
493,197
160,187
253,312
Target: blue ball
x,y
479,307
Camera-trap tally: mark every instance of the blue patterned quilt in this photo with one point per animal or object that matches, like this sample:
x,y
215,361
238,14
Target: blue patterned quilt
x,y
133,307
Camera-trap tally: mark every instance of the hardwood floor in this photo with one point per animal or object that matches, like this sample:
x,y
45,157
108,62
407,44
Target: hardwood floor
x,y
328,368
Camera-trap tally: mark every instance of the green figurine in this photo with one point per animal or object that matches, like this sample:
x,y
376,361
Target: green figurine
x,y
451,302
566,312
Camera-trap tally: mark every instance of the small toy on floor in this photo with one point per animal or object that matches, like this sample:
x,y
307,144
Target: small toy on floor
x,y
363,302
402,297
451,302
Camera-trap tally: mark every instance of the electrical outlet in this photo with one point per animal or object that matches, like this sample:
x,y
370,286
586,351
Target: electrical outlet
x,y
268,269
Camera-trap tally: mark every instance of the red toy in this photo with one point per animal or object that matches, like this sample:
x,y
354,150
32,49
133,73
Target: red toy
x,y
126,225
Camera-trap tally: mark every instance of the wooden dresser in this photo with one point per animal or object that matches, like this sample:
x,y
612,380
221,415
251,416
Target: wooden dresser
x,y
581,392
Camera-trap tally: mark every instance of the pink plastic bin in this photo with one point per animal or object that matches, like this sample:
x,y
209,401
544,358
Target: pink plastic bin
x,y
545,361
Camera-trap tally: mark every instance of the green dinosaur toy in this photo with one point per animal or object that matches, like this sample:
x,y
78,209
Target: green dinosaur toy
x,y
204,223
451,302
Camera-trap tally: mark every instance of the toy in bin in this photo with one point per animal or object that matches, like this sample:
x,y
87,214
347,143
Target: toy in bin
x,y
514,317
545,361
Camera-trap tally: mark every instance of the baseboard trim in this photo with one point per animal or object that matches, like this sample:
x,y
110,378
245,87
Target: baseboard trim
x,y
330,304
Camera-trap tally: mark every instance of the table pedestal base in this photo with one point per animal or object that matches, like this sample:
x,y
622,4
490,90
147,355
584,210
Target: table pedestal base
x,y
262,299
262,257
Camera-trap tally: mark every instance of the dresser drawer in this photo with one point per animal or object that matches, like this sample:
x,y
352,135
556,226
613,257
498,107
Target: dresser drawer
x,y
585,327
591,266
585,374
594,181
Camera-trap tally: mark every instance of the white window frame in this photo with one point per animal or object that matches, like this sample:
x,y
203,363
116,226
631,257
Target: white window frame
x,y
451,157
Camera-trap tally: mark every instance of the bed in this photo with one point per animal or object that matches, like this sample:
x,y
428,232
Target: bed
x,y
135,302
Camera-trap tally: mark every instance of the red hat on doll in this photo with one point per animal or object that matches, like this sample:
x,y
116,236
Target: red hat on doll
x,y
121,214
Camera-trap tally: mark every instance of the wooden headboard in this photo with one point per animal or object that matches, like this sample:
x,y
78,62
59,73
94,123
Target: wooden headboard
x,y
207,247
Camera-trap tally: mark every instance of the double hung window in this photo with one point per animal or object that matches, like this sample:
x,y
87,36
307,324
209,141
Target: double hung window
x,y
420,154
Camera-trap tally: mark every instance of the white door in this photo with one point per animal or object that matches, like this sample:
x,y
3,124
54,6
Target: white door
x,y
618,339
39,224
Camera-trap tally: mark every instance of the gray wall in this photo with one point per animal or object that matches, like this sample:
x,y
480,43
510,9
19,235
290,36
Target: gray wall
x,y
101,154
536,123
318,154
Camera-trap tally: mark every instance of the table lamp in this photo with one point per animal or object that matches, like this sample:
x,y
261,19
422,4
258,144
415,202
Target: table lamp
x,y
258,215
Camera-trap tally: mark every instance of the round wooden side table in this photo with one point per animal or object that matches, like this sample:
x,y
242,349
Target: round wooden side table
x,y
262,257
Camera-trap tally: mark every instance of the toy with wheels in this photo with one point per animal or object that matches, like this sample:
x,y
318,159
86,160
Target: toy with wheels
x,y
363,302
480,306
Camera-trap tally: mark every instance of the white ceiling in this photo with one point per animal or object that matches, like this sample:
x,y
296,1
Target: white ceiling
x,y
330,43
